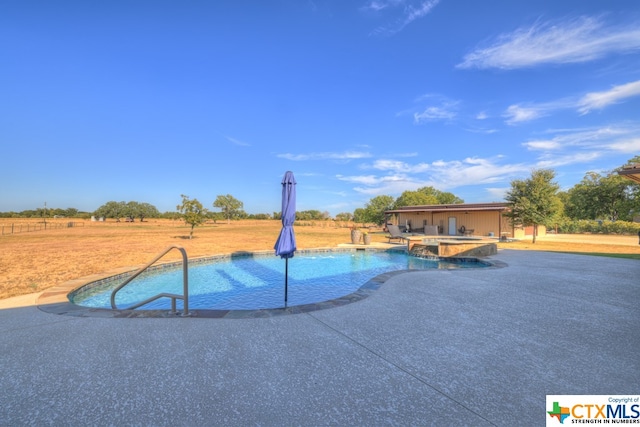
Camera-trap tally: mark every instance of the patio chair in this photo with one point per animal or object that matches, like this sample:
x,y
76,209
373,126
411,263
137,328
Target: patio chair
x,y
395,233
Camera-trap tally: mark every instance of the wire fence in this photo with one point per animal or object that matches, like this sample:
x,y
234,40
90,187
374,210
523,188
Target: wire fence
x,y
27,227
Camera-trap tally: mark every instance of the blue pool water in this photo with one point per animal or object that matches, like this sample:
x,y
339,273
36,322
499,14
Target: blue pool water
x,y
257,282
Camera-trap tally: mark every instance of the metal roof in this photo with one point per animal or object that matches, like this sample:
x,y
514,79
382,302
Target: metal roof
x,y
632,172
464,207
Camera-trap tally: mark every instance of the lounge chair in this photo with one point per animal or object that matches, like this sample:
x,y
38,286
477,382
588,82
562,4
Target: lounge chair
x,y
395,233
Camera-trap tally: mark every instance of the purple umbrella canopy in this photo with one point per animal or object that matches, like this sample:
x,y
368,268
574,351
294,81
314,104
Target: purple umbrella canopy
x,y
286,243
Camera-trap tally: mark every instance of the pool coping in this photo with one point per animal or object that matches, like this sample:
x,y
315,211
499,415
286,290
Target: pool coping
x,y
55,300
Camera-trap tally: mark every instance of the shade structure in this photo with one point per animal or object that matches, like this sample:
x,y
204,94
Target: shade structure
x,y
286,243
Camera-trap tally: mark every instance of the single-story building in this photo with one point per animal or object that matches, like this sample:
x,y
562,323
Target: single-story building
x,y
474,219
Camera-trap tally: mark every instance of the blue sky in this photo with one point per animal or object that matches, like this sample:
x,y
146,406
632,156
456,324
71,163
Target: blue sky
x,y
148,100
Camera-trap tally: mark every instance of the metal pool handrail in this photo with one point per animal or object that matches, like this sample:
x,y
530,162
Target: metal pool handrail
x,y
174,297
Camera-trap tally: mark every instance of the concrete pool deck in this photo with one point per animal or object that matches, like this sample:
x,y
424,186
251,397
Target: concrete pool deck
x,y
440,347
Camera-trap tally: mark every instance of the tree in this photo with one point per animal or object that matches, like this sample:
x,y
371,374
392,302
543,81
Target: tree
x,y
147,210
534,201
374,210
359,215
600,197
192,212
230,206
426,196
414,198
344,216
71,212
111,209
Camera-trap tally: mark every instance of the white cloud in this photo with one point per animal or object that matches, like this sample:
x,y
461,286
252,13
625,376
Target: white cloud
x,y
409,11
603,138
561,148
497,193
549,161
378,5
360,179
578,40
442,108
400,167
473,171
419,10
390,165
237,141
573,146
482,116
347,155
433,113
599,100
439,174
518,114
542,145
631,146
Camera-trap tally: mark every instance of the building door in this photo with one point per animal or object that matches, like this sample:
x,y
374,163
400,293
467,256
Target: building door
x,y
452,226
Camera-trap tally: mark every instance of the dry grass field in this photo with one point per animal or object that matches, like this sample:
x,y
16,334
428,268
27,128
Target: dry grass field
x,y
34,261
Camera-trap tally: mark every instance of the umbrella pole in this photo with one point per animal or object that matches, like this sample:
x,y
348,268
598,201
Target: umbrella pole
x,y
286,279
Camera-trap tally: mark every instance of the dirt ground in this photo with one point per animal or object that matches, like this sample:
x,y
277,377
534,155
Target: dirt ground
x,y
32,261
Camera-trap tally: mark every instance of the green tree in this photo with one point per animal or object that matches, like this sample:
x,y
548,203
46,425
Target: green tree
x,y
147,210
192,212
426,196
359,215
534,201
415,198
600,197
310,215
374,210
71,212
608,196
344,216
230,206
112,209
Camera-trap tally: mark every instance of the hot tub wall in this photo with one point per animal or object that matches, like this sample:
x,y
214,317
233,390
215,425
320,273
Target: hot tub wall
x,y
467,249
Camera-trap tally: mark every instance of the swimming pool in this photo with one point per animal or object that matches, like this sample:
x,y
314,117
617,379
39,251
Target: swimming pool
x,y
255,282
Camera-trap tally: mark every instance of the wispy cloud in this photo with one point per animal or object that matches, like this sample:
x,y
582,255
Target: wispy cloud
x,y
553,161
346,155
378,5
399,167
406,11
402,176
497,193
520,113
567,146
237,141
474,170
598,138
578,40
434,113
600,100
434,108
630,145
542,145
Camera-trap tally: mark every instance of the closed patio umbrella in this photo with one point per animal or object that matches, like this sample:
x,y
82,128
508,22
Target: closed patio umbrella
x,y
286,243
